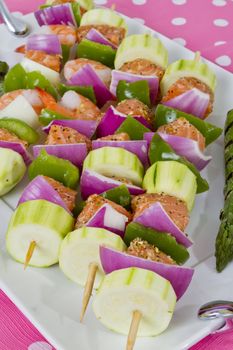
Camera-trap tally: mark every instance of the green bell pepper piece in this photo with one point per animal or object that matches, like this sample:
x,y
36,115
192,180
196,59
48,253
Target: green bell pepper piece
x,y
15,79
76,11
86,91
97,52
160,150
47,116
59,169
165,115
119,195
78,208
138,89
36,79
162,240
20,129
65,53
133,128
18,78
3,69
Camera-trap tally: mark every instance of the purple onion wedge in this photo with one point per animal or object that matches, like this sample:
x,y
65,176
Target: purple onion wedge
x,y
188,149
19,148
87,76
48,43
93,183
85,127
193,101
59,14
39,188
112,120
74,152
156,217
96,36
179,276
110,219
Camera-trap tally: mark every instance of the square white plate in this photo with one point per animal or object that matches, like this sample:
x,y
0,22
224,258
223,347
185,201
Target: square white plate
x,y
53,303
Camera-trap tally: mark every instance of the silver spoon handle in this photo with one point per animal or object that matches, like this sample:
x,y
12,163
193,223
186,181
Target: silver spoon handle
x,y
14,25
216,309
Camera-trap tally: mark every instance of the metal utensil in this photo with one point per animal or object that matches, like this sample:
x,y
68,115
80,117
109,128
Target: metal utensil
x,y
15,25
216,309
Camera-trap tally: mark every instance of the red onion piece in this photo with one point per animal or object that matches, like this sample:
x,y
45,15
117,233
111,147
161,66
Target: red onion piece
x,y
179,276
187,148
118,75
48,43
110,219
59,14
74,152
91,182
138,147
156,217
112,120
39,188
87,76
148,136
85,127
96,36
192,101
19,148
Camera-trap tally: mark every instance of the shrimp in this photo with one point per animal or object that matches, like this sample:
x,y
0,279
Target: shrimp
x,y
51,61
103,72
72,105
32,96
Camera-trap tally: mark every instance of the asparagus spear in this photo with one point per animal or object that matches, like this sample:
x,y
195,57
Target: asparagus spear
x,y
224,240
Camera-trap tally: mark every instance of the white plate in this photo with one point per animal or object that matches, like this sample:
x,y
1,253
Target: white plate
x,y
53,303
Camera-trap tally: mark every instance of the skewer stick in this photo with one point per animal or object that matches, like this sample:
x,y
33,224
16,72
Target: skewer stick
x,y
197,56
136,318
93,267
113,7
30,251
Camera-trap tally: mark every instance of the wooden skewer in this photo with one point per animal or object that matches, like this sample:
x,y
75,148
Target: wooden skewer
x,y
197,56
30,251
93,267
136,318
113,7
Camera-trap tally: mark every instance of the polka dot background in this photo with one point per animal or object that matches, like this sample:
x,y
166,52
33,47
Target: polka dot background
x,y
204,25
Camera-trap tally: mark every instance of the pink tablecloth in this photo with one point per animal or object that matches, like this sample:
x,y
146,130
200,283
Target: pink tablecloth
x,y
205,25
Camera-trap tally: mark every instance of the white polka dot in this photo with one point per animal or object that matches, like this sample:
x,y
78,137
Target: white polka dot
x,y
101,2
223,60
219,2
221,22
179,2
139,2
180,41
179,21
40,345
218,43
140,20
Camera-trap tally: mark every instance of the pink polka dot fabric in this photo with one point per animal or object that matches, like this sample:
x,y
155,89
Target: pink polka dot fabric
x,y
204,25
